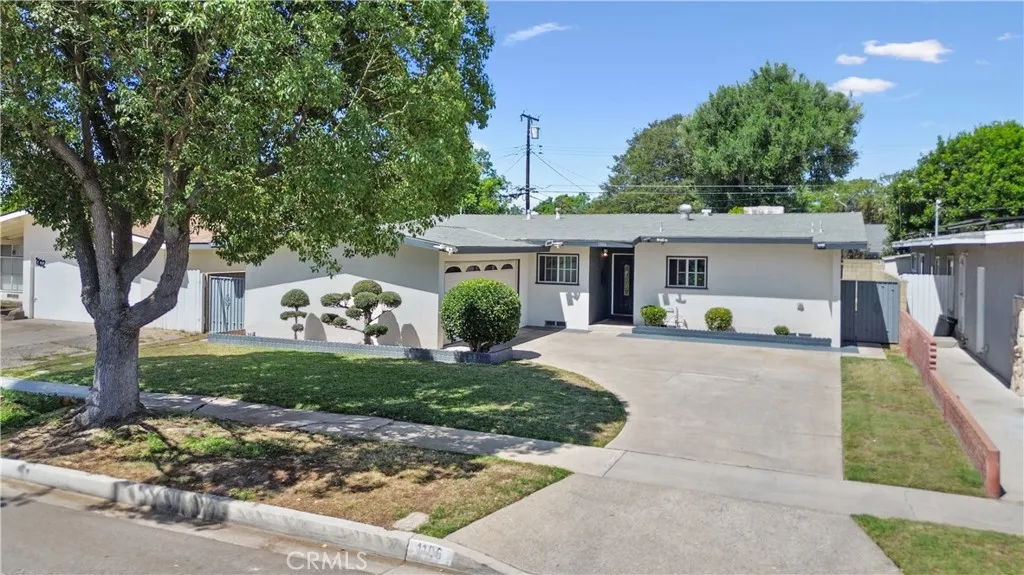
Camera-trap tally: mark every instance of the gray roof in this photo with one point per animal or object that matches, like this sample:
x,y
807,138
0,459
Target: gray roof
x,y
835,230
876,234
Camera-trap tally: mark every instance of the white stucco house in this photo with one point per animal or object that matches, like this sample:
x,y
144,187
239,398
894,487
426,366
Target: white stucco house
x,y
577,270
975,278
48,285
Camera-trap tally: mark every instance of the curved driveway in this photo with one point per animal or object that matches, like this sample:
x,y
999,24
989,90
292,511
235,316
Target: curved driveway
x,y
758,407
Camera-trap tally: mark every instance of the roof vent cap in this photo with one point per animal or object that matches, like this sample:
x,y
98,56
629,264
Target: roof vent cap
x,y
558,213
706,211
685,210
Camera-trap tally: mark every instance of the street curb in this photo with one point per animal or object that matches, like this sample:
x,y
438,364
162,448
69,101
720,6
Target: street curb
x,y
348,534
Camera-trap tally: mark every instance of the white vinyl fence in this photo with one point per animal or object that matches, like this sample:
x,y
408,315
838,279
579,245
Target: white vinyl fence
x,y
187,315
930,296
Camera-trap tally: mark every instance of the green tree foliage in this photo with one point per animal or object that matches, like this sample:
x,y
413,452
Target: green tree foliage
x,y
858,195
659,155
776,129
568,204
488,194
481,312
367,303
976,174
294,299
297,125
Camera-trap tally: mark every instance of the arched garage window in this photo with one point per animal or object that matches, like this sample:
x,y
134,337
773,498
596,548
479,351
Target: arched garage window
x,y
473,269
490,267
506,267
453,270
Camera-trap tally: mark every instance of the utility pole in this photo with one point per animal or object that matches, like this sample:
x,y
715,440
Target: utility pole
x,y
532,133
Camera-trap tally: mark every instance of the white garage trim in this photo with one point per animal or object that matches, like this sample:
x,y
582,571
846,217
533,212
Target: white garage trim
x,y
504,271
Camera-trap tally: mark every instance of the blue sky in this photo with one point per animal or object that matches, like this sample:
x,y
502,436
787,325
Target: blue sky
x,y
596,72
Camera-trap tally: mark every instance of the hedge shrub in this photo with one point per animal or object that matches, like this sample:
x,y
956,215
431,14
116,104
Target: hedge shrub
x,y
481,312
781,330
718,319
653,315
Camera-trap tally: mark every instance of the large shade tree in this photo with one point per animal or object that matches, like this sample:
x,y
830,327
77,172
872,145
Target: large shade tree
x,y
977,175
754,140
296,125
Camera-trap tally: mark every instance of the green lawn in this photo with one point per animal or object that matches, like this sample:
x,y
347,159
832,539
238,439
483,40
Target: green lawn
x,y
893,433
18,409
515,398
917,547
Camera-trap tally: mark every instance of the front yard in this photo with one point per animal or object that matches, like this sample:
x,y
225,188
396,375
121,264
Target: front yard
x,y
894,434
374,482
521,399
917,547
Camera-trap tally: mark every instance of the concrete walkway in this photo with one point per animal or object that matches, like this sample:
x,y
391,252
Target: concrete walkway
x,y
824,494
999,411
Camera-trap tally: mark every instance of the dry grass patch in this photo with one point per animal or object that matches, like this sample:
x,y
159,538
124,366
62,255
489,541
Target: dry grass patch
x,y
367,481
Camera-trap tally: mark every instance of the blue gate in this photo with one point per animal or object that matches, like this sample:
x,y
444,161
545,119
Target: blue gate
x,y
225,309
871,311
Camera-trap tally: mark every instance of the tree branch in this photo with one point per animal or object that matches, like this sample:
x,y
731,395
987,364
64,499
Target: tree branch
x,y
165,295
142,258
86,257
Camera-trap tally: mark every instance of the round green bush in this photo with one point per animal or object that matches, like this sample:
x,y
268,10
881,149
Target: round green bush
x,y
297,327
354,313
781,330
365,300
718,319
481,312
390,299
366,286
295,298
335,299
375,330
292,314
653,315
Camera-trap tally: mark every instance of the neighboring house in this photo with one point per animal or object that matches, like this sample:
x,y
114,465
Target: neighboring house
x,y
876,236
36,273
577,270
973,277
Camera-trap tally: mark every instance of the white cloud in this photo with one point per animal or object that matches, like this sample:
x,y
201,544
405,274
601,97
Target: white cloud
x,y
848,60
907,96
860,86
925,50
982,62
1007,36
479,146
534,31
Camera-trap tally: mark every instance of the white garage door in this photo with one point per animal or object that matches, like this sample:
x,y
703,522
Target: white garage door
x,y
504,271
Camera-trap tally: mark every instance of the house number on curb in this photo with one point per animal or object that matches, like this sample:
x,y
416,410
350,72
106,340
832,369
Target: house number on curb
x,y
430,552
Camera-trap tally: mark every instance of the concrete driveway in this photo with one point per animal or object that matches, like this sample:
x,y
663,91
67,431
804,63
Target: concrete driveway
x,y
26,341
758,407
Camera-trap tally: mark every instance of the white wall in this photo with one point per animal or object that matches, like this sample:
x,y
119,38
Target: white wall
x,y
763,284
552,302
56,288
412,274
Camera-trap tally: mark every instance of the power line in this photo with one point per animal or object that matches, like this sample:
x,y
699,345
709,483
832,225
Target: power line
x,y
541,158
519,159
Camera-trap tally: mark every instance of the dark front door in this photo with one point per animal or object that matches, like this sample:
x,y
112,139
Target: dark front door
x,y
622,284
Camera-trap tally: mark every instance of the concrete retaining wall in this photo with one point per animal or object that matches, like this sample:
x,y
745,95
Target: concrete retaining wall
x,y
919,346
733,336
439,355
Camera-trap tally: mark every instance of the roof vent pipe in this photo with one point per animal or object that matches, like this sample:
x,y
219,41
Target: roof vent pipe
x,y
685,210
558,213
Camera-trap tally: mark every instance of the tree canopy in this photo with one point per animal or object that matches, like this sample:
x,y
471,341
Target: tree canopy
x,y
489,194
295,125
777,129
863,195
568,204
976,174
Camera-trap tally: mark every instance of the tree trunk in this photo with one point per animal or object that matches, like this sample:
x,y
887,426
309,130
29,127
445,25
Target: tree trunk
x,y
114,395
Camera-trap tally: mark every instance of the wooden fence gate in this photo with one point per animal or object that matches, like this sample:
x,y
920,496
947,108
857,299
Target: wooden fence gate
x,y
871,311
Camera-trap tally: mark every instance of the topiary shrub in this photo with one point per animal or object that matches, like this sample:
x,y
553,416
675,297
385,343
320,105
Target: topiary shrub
x,y
718,319
294,299
366,298
481,312
653,315
781,330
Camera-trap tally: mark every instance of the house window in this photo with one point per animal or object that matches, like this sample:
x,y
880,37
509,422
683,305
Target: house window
x,y
490,267
10,267
473,269
558,269
687,272
453,270
507,267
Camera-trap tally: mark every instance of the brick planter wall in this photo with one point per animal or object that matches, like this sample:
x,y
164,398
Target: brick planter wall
x,y
919,347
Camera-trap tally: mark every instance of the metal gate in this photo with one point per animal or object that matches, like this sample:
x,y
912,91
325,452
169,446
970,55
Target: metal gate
x,y
225,310
871,311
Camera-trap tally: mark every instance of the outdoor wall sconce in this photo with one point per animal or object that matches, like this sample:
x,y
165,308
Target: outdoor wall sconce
x,y
604,253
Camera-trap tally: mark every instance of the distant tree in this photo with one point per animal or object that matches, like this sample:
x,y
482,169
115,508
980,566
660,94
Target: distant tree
x,y
487,195
275,125
294,299
736,210
569,204
642,179
976,174
858,195
778,129
367,303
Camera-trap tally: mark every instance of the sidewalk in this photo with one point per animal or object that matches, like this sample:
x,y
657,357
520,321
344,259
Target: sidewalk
x,y
999,411
801,491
